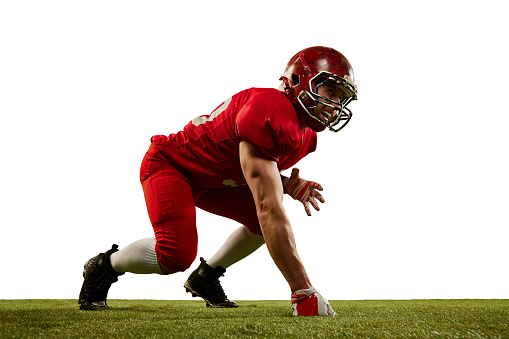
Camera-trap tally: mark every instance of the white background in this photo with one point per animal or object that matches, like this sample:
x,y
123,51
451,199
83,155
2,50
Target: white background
x,y
416,186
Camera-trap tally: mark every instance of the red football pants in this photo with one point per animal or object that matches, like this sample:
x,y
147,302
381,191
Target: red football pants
x,y
171,204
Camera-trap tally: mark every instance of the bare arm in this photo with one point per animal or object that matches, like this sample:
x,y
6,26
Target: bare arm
x,y
263,178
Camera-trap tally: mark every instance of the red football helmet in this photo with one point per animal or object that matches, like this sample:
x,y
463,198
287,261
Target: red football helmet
x,y
307,71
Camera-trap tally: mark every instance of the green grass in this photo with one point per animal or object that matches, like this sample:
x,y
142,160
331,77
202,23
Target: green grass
x,y
272,319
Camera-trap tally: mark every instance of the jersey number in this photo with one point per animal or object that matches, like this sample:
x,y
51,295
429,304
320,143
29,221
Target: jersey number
x,y
203,118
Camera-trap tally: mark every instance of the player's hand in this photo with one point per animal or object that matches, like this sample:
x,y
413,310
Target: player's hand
x,y
309,302
304,191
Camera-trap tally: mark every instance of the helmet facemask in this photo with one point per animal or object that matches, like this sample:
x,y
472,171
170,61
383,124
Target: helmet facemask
x,y
341,115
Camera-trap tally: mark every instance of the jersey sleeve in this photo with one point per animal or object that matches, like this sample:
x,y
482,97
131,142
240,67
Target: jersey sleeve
x,y
269,124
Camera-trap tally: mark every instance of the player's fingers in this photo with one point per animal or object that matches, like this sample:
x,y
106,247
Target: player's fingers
x,y
330,311
295,173
317,195
315,185
314,204
306,207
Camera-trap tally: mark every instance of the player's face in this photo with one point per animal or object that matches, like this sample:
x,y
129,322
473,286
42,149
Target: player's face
x,y
332,92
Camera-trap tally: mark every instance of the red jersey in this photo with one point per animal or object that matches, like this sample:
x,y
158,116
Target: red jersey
x,y
206,151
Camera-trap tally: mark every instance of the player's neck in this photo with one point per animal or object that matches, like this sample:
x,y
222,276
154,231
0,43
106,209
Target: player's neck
x,y
301,115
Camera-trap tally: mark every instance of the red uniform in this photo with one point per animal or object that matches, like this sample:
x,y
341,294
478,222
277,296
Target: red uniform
x,y
200,166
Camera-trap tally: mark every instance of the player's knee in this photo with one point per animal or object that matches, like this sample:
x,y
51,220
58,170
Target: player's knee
x,y
178,260
184,260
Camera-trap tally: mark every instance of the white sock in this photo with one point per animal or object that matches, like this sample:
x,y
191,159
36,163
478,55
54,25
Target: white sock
x,y
241,243
139,257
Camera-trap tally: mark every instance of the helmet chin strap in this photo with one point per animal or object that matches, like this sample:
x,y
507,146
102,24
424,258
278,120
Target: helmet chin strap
x,y
307,119
313,123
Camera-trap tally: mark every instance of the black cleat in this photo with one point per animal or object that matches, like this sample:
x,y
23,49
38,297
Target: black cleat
x,y
99,275
204,283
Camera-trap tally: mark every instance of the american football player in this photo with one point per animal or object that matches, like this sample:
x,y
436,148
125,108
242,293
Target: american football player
x,y
228,163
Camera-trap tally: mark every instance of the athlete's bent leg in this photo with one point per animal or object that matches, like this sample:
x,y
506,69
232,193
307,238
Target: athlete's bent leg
x,y
172,212
234,203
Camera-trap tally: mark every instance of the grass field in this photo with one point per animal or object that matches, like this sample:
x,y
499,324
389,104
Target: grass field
x,y
271,319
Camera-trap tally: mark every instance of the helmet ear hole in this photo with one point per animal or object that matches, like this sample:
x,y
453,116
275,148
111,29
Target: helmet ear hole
x,y
295,79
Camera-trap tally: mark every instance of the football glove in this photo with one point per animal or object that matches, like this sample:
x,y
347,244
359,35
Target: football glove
x,y
309,302
304,191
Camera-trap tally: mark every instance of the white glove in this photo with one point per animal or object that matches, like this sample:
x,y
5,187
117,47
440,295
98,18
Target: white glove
x,y
309,302
303,190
